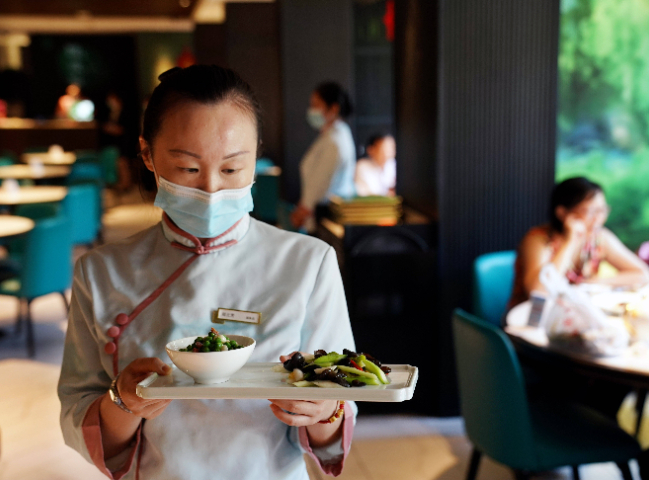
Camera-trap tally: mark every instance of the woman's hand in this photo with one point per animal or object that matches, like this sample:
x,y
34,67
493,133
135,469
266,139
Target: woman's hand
x,y
117,426
574,227
134,373
302,412
307,414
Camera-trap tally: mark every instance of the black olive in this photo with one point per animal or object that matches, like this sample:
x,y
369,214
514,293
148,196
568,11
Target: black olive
x,y
319,353
347,362
296,361
385,369
349,353
357,383
372,359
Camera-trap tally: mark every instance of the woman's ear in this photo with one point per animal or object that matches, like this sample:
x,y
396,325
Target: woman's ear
x,y
145,153
561,212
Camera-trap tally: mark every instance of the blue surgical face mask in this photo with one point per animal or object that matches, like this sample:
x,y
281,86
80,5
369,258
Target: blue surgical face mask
x,y
203,214
315,118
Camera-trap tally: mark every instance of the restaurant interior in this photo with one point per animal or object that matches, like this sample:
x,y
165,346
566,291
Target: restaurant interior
x,y
490,104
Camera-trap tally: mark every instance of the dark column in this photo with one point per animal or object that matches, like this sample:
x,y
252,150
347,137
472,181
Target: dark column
x,y
254,52
316,37
476,120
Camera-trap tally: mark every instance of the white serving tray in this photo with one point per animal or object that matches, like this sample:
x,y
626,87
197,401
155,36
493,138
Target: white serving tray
x,y
258,380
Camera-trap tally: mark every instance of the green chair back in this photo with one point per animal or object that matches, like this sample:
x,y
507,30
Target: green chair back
x,y
265,195
6,161
493,278
492,392
85,172
47,264
37,212
80,206
108,158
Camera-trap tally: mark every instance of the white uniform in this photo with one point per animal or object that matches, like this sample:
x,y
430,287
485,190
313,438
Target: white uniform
x,y
293,280
372,179
328,166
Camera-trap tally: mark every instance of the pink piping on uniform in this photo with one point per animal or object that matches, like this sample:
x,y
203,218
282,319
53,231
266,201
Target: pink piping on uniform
x,y
333,469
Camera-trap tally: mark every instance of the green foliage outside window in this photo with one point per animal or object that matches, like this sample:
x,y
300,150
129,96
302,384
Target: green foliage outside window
x,y
604,106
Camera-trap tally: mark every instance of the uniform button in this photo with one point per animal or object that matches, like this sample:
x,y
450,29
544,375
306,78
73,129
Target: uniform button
x,y
121,319
110,348
113,332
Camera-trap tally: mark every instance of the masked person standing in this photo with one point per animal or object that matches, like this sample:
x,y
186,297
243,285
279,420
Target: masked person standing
x,y
129,299
328,166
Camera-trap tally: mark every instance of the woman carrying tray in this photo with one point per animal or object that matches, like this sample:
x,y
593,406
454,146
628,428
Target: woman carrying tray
x,y
129,299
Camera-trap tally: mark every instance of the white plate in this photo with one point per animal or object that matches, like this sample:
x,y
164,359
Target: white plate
x,y
258,380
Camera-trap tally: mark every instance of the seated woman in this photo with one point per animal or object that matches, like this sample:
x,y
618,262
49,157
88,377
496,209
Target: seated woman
x,y
376,174
576,242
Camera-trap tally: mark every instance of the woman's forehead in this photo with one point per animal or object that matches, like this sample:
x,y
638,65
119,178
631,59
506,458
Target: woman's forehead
x,y
207,126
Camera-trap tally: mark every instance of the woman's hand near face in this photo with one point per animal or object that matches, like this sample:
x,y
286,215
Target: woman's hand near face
x,y
575,228
117,426
307,413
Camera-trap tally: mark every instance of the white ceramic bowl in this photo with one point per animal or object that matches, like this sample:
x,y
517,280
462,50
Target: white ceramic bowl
x,y
210,367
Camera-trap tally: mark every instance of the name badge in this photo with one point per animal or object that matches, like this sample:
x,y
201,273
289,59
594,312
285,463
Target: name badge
x,y
230,315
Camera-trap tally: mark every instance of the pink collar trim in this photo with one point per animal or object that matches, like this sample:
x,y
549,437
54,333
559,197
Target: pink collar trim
x,y
199,248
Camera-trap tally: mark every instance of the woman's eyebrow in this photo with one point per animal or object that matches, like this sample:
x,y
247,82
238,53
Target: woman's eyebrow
x,y
235,154
176,150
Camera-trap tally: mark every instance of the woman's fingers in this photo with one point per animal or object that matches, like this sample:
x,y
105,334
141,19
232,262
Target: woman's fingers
x,y
304,412
291,420
134,373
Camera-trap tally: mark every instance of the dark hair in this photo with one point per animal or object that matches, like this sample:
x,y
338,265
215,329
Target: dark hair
x,y
569,194
204,84
375,138
333,94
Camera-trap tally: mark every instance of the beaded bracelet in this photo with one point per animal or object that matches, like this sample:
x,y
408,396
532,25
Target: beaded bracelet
x,y
339,413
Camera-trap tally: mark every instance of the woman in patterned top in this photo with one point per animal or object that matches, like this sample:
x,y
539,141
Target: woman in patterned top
x,y
576,242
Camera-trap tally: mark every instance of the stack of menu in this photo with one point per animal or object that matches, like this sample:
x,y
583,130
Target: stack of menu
x,y
366,210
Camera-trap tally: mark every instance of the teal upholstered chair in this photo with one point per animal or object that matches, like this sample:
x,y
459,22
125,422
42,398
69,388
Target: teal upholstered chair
x,y
80,206
85,173
37,212
503,424
46,267
493,277
6,161
108,158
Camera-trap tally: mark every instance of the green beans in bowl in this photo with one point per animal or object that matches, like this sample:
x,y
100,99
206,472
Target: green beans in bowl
x,y
211,366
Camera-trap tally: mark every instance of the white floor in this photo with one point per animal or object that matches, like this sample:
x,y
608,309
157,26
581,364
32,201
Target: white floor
x,y
32,448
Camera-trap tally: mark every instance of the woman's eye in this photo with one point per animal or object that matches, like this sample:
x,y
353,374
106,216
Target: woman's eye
x,y
190,170
229,171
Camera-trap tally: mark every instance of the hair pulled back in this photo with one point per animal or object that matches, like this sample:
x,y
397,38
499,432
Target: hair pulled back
x,y
333,94
376,138
569,194
204,84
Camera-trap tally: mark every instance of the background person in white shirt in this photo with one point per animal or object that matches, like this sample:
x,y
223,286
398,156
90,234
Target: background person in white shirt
x,y
376,174
328,166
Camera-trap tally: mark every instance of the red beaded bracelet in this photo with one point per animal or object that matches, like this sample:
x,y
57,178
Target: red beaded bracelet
x,y
339,413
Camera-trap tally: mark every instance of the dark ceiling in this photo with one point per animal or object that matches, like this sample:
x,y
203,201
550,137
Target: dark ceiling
x,y
168,8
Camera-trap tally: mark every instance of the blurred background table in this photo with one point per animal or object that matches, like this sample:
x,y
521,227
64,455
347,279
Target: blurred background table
x,y
32,172
37,194
45,158
11,225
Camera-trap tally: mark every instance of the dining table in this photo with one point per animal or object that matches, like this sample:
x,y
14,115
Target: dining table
x,y
630,367
36,194
47,158
33,172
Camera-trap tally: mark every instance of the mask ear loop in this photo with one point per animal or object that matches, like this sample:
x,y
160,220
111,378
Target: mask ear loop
x,y
155,173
